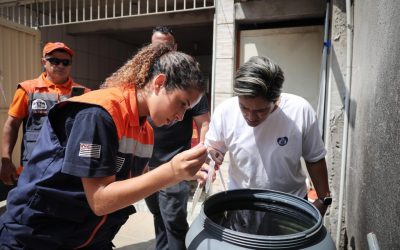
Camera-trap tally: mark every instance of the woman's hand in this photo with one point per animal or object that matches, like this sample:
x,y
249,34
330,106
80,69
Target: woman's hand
x,y
186,164
202,174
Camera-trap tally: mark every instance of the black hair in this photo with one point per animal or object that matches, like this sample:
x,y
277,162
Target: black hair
x,y
163,29
259,76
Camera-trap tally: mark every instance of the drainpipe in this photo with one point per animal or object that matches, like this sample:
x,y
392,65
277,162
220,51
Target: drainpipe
x,y
343,168
212,90
322,103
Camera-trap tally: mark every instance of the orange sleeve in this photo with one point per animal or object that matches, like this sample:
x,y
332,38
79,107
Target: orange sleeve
x,y
19,105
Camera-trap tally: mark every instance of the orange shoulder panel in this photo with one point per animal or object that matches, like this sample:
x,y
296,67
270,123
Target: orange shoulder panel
x,y
29,85
113,101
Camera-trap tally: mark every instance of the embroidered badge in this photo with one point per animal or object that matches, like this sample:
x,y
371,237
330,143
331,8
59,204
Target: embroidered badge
x,y
39,104
39,107
119,163
282,141
89,150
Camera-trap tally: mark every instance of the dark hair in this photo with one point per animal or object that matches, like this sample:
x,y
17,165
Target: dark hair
x,y
163,29
259,76
182,71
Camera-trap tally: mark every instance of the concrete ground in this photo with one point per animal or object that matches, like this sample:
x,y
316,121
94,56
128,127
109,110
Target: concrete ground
x,y
138,232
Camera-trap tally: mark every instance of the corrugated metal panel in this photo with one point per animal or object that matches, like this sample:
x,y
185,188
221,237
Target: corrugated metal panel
x,y
19,61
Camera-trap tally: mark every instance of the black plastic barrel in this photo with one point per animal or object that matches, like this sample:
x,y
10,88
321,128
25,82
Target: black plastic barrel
x,y
257,219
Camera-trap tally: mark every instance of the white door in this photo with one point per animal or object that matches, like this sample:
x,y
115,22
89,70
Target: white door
x,y
297,50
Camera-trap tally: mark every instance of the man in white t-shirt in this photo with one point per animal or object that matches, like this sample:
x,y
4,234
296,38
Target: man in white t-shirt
x,y
266,132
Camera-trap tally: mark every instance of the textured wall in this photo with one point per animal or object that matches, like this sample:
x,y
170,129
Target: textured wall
x,y
373,189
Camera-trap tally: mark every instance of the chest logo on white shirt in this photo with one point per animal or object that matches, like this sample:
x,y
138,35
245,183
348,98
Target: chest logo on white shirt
x,y
282,141
89,150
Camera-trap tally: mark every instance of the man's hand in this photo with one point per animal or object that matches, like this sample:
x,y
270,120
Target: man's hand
x,y
321,207
8,172
216,155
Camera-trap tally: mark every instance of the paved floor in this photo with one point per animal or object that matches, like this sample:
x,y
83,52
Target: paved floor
x,y
137,233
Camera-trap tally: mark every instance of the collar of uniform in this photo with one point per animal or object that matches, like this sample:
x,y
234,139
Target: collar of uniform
x,y
130,97
43,82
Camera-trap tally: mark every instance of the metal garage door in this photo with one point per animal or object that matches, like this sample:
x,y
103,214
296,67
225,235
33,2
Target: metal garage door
x,y
19,60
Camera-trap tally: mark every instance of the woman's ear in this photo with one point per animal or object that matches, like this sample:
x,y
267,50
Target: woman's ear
x,y
159,81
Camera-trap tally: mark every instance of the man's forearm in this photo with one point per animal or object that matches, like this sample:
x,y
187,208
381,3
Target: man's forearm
x,y
319,176
10,135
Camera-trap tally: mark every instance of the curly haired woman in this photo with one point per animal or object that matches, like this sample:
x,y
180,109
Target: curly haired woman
x,y
88,165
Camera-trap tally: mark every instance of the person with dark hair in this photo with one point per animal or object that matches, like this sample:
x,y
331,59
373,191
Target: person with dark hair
x,y
31,103
87,167
164,34
169,205
266,133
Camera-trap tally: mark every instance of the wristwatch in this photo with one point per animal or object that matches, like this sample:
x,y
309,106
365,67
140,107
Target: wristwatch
x,y
327,200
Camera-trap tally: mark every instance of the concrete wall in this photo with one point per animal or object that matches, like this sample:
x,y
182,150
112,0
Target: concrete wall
x,y
95,58
224,51
373,186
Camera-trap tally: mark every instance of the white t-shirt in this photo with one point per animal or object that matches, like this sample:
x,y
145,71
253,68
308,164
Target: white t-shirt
x,y
268,156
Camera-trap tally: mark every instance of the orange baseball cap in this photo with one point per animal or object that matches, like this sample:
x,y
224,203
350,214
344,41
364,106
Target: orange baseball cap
x,y
50,47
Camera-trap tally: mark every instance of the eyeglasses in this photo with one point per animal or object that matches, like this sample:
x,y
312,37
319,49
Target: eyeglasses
x,y
56,61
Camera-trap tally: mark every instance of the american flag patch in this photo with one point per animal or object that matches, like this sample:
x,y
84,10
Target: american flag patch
x,y
89,150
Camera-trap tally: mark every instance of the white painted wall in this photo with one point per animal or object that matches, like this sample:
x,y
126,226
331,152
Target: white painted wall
x,y
297,50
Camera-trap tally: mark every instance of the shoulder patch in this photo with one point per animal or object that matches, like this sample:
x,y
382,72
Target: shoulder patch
x,y
89,150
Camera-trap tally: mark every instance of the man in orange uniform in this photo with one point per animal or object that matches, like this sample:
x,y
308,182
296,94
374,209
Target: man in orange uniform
x,y
31,103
